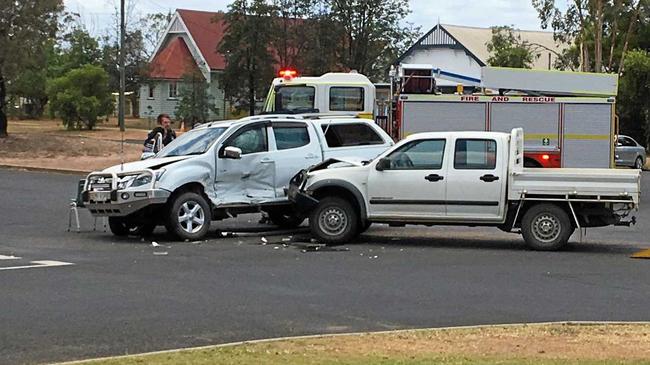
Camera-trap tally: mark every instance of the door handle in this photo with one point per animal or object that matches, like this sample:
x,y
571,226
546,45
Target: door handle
x,y
266,160
311,156
434,177
489,178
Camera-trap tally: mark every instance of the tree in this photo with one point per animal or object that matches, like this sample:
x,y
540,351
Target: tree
x,y
509,50
25,28
591,26
78,48
195,104
373,33
245,46
633,100
80,96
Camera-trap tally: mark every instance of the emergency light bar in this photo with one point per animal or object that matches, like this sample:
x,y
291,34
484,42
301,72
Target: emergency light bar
x,y
288,73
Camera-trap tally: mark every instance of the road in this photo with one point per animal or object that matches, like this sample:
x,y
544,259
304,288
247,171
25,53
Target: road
x,y
125,296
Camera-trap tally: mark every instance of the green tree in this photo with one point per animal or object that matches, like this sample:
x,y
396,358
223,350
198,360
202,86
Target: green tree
x,y
195,102
599,31
25,28
633,101
80,96
507,49
249,63
78,48
373,34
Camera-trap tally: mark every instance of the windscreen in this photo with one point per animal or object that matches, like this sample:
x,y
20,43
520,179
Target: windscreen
x,y
294,99
194,142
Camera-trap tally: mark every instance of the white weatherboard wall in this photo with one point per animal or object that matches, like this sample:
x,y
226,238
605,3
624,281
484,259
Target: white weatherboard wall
x,y
448,59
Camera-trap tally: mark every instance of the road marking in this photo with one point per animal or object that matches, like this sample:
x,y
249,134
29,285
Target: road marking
x,y
39,264
644,254
12,257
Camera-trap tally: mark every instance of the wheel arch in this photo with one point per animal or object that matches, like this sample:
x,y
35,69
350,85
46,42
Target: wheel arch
x,y
528,204
341,188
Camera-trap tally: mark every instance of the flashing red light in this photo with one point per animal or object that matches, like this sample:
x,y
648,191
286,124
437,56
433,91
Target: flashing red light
x,y
288,73
545,157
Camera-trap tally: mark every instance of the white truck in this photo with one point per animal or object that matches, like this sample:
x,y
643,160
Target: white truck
x,y
463,178
222,169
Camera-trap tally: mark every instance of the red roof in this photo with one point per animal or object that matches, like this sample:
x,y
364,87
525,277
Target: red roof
x,y
207,29
173,61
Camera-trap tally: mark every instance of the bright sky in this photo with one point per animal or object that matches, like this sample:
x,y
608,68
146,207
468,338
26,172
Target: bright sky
x,y
96,14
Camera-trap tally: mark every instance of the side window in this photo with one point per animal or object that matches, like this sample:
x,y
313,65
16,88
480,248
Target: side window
x,y
251,140
358,134
290,136
418,155
173,90
475,154
627,142
346,99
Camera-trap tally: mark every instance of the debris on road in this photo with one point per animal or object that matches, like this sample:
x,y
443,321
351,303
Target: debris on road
x,y
155,244
264,240
160,253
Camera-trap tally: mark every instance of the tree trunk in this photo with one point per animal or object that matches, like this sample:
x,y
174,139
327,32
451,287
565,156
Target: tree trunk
x,y
3,107
598,53
628,34
251,94
617,9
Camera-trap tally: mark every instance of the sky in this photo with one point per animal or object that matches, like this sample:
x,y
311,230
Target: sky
x,y
96,14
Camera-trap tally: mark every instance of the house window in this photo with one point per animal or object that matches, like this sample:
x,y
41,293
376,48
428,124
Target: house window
x,y
151,91
173,91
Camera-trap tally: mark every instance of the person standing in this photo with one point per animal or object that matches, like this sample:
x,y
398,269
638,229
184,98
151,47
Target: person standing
x,y
160,136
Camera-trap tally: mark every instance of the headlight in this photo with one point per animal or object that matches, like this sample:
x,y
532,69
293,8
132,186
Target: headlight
x,y
142,179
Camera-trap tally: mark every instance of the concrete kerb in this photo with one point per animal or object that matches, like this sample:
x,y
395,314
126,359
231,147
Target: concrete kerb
x,y
329,335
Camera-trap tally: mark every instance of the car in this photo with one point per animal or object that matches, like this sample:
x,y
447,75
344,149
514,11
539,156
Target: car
x,y
630,153
222,169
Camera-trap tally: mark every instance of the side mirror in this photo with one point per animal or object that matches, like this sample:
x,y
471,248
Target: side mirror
x,y
232,152
619,144
146,155
382,164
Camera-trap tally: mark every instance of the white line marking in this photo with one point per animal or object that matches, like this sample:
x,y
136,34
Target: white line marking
x,y
42,263
12,257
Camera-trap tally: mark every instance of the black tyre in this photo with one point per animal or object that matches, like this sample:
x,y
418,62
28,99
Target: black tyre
x,y
188,216
546,227
364,226
285,218
334,221
118,226
638,163
123,227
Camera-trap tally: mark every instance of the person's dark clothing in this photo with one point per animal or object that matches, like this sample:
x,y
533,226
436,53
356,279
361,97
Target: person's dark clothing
x,y
167,137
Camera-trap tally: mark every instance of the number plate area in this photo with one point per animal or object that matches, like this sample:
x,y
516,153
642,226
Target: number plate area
x,y
99,196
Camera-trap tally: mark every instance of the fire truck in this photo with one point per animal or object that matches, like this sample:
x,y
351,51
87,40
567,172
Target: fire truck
x,y
569,117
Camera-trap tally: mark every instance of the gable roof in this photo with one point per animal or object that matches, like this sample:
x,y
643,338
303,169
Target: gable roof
x,y
173,61
206,29
474,41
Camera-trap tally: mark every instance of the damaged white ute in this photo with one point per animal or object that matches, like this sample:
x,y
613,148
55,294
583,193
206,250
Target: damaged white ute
x,y
222,169
463,178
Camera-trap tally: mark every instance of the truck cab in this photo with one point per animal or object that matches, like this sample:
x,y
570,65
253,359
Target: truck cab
x,y
332,93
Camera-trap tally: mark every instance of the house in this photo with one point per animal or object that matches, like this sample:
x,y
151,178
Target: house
x,y
463,50
189,45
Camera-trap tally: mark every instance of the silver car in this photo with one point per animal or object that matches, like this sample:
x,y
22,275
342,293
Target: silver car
x,y
629,152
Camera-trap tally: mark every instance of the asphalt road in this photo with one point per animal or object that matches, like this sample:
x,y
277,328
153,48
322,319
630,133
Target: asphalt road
x,y
123,296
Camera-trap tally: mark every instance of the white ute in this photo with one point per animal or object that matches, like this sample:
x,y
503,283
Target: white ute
x,y
222,169
463,178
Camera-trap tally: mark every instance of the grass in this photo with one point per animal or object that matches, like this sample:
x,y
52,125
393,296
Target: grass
x,y
545,345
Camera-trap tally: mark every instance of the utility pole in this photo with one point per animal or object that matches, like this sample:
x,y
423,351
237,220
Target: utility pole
x,y
120,113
